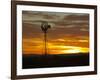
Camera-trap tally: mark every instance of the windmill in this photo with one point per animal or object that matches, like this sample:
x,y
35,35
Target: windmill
x,y
45,26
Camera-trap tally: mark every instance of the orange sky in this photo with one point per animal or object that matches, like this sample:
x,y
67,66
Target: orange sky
x,y
61,47
69,33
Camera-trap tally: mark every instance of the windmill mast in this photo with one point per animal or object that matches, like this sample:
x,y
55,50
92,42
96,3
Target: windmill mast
x,y
45,41
45,26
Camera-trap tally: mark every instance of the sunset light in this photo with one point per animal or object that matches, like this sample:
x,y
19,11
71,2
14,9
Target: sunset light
x,y
55,39
76,50
53,48
69,33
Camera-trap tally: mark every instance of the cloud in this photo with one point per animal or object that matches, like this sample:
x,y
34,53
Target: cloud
x,y
75,16
56,19
67,29
31,31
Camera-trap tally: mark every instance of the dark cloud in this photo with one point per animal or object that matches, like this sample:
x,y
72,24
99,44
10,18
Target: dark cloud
x,y
31,31
68,31
62,24
77,17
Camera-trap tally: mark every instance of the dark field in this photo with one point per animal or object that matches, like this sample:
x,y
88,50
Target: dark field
x,y
62,60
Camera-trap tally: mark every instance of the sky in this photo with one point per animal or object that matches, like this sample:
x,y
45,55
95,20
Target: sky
x,y
69,32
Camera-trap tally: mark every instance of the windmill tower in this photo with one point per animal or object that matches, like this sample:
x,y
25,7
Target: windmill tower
x,y
45,26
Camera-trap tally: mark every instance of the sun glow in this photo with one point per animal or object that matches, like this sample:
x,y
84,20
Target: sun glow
x,y
71,51
30,47
62,49
76,50
35,46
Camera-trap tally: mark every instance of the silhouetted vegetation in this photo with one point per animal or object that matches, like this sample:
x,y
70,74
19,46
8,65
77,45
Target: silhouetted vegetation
x,y
61,60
